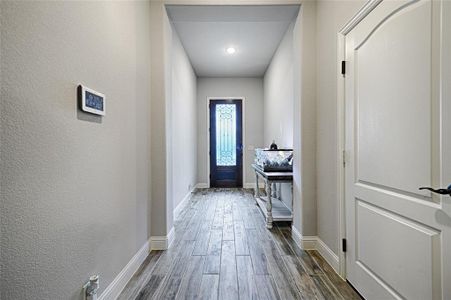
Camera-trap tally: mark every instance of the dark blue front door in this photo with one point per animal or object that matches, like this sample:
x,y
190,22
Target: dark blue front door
x,y
226,143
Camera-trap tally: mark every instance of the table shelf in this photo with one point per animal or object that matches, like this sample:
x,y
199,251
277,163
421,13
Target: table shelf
x,y
274,209
280,212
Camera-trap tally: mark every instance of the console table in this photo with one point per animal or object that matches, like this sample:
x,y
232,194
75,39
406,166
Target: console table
x,y
271,205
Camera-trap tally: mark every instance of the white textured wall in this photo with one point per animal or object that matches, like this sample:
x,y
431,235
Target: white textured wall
x,y
161,120
297,192
184,122
278,95
74,187
278,86
292,76
305,118
331,16
252,90
290,111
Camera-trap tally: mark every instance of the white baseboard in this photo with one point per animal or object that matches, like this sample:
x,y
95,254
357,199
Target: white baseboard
x,y
297,236
183,203
315,243
249,185
171,237
328,254
162,242
308,242
304,242
115,288
202,185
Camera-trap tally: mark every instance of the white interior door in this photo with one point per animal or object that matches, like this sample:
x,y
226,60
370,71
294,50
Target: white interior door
x,y
398,139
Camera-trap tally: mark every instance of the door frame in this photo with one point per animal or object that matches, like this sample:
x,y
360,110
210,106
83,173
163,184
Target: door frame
x,y
243,127
341,118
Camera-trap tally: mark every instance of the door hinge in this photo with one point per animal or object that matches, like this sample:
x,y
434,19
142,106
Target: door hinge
x,y
344,158
343,67
343,245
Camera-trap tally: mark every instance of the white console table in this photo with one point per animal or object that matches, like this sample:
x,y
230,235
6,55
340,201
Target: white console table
x,y
271,205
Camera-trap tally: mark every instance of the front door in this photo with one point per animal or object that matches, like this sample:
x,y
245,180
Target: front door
x,y
398,139
226,135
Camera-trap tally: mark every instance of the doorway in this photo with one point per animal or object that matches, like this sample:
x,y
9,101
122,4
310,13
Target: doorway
x,y
226,142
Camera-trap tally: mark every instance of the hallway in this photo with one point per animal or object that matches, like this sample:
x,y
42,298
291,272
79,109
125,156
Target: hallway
x,y
132,135
223,250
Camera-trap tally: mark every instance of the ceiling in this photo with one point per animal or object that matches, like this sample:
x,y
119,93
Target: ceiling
x,y
254,31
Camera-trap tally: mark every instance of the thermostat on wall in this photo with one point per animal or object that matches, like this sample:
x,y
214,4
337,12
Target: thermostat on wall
x,y
91,101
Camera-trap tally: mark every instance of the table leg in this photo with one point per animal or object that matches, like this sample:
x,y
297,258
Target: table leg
x,y
269,219
257,192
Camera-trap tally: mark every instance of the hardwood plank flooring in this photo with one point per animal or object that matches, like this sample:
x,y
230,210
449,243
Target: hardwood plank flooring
x,y
209,287
222,250
141,277
266,287
258,257
241,245
191,282
246,280
228,281
303,281
284,280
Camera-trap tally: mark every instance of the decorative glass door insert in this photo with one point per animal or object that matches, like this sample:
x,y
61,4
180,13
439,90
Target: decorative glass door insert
x,y
225,134
226,143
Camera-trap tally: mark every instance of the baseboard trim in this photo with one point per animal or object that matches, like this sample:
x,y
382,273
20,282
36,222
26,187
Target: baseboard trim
x,y
297,236
315,243
249,185
178,209
162,242
328,254
304,242
202,185
171,237
115,288
309,242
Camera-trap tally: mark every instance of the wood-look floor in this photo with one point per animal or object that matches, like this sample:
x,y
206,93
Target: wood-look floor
x,y
222,250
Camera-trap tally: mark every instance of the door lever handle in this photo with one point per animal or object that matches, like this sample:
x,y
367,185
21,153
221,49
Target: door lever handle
x,y
446,191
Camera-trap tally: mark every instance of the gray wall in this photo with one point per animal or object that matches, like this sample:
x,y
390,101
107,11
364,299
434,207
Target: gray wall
x,y
173,119
184,122
290,111
278,95
74,187
278,86
161,120
252,90
331,16
304,44
313,65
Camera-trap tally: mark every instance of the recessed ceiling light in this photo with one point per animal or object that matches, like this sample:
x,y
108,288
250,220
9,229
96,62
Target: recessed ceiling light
x,y
231,50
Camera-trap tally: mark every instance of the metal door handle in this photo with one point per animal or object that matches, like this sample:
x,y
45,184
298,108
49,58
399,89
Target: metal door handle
x,y
446,191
